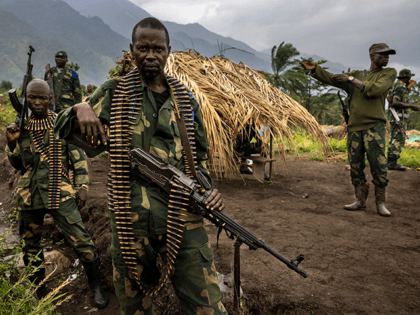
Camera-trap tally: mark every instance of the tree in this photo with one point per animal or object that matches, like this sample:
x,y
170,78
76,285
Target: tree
x,y
284,75
6,85
72,66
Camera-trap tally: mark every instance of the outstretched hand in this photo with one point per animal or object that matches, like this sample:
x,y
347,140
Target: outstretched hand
x,y
215,201
90,125
308,64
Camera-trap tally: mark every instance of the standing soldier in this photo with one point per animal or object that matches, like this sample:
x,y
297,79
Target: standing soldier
x,y
67,90
366,128
141,111
44,187
398,98
89,89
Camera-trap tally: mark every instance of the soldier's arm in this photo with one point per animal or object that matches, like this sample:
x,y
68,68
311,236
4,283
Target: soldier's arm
x,y
12,147
79,163
324,76
398,96
373,89
77,90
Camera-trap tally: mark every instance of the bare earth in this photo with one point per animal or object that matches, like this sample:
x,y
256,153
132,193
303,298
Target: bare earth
x,y
358,262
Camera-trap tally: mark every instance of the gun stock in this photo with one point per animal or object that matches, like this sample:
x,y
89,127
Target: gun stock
x,y
160,172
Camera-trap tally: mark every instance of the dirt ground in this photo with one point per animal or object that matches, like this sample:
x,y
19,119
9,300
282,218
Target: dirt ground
x,y
358,262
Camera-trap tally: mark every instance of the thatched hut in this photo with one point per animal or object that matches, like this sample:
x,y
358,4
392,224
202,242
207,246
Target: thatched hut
x,y
235,101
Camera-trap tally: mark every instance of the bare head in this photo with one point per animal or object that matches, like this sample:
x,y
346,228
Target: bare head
x,y
38,97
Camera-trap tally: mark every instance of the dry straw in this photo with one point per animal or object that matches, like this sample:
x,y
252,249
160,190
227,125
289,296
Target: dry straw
x,y
235,99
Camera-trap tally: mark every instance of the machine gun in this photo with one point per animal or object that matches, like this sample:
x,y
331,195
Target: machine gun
x,y
154,169
21,106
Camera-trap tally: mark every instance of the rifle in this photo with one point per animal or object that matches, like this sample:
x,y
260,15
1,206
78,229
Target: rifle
x,y
345,110
51,84
397,120
159,171
21,106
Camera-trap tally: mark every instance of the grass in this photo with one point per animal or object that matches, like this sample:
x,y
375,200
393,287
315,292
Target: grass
x,y
304,143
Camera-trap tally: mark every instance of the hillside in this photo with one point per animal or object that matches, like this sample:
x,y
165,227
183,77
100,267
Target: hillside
x,y
89,41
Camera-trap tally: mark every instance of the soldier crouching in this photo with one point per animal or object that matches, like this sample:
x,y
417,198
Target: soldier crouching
x,y
45,188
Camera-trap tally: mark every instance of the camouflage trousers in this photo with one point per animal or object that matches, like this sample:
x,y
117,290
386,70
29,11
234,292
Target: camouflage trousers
x,y
372,143
396,143
68,220
194,278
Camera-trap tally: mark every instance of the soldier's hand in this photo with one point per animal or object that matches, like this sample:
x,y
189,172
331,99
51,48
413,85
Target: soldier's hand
x,y
215,201
390,98
414,107
411,83
342,78
12,133
90,125
81,198
308,64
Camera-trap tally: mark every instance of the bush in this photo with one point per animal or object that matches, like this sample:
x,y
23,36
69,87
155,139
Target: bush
x,y
6,85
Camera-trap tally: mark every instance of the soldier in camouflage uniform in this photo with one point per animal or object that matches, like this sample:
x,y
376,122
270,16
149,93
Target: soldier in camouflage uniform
x,y
155,130
67,91
37,184
398,97
366,127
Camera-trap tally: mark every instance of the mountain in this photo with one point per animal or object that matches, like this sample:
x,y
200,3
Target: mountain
x,y
88,40
123,15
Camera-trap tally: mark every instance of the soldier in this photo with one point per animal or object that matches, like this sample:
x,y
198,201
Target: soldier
x,y
89,89
142,106
398,97
366,128
66,83
44,187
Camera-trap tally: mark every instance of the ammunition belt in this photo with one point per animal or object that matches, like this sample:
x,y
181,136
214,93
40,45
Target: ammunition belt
x,y
126,103
52,155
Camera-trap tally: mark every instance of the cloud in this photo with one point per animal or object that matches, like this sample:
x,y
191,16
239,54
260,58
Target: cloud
x,y
338,30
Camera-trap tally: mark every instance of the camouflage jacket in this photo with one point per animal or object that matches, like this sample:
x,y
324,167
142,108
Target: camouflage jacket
x,y
71,92
33,186
155,132
367,105
401,92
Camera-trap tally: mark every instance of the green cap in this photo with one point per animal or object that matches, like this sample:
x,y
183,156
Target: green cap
x,y
61,53
381,48
405,73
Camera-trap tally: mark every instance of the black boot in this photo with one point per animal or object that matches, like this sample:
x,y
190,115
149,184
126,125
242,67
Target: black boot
x,y
394,166
94,279
39,275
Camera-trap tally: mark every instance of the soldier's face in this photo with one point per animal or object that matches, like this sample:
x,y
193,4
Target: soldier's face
x,y
380,59
60,62
89,88
38,97
150,52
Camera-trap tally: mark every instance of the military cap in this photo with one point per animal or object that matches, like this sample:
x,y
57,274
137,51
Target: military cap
x,y
405,73
381,48
61,53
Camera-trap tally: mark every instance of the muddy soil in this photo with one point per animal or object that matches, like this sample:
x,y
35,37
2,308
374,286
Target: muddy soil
x,y
358,262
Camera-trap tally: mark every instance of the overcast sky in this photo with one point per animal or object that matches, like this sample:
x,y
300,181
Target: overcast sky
x,y
338,30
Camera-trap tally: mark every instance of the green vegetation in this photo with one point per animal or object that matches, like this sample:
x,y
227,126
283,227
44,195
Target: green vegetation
x,y
7,112
6,85
17,293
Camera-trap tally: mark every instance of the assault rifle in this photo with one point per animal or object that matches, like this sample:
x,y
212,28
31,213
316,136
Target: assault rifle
x,y
154,169
397,119
21,106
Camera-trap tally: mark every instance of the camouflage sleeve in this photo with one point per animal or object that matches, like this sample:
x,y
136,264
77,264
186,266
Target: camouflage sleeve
x,y
46,76
399,92
379,87
14,157
80,167
324,76
201,139
77,90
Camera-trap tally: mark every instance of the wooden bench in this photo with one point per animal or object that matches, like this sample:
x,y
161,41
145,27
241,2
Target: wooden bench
x,y
258,166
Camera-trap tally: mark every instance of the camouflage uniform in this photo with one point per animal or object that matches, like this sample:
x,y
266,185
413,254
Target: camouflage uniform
x,y
71,92
397,139
195,277
32,195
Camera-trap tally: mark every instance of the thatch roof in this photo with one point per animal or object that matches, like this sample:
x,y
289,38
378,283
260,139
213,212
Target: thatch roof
x,y
234,99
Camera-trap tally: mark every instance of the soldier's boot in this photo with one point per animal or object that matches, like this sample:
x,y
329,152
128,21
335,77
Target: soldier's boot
x,y
94,279
38,276
361,192
380,202
394,166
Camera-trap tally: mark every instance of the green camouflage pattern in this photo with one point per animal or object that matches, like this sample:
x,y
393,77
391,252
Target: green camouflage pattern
x,y
71,92
396,143
401,92
367,105
405,73
61,53
32,187
194,278
372,143
68,219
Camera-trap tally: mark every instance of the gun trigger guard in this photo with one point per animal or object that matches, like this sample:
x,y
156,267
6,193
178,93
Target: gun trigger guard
x,y
298,260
